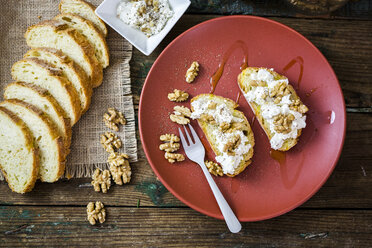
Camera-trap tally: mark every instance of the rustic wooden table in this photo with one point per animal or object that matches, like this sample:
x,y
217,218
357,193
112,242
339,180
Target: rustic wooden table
x,y
145,214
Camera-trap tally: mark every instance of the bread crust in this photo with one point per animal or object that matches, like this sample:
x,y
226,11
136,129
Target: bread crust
x,y
204,126
72,93
101,27
53,132
29,145
87,50
43,93
106,58
83,80
289,143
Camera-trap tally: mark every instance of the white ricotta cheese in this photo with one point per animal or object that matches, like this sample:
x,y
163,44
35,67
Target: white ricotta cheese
x,y
222,114
269,109
150,19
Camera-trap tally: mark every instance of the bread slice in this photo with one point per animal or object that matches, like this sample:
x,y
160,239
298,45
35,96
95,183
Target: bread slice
x,y
276,105
85,10
34,71
56,34
93,35
227,130
19,158
70,70
40,98
47,139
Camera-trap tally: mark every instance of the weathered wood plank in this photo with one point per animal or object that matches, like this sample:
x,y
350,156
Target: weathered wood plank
x,y
346,44
353,10
149,227
348,187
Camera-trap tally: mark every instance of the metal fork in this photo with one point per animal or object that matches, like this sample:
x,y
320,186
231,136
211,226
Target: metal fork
x,y
196,152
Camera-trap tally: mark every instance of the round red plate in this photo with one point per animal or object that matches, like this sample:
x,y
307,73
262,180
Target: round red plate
x,y
266,188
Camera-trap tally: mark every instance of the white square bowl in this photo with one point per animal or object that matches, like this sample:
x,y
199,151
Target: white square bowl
x,y
107,12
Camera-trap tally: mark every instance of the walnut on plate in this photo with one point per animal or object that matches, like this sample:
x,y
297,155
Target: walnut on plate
x,y
113,118
214,168
178,96
174,157
181,115
101,180
96,212
169,147
120,168
169,137
192,72
110,142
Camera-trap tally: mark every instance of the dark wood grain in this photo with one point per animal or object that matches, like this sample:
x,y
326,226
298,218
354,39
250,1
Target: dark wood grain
x,y
361,9
346,44
146,227
348,187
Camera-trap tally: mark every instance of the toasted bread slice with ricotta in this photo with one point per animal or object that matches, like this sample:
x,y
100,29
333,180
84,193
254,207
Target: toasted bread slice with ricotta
x,y
32,70
50,144
56,34
276,105
19,157
70,70
41,98
227,131
93,35
85,10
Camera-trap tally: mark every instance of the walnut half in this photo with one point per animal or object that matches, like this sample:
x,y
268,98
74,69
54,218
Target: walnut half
x,y
214,168
110,142
192,72
180,115
120,168
101,180
178,96
113,118
174,157
96,212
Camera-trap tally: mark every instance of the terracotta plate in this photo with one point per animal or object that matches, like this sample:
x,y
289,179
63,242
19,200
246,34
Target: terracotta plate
x,y
266,188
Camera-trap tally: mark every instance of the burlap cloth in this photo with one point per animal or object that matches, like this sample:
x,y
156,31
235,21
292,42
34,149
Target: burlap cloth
x,y
115,91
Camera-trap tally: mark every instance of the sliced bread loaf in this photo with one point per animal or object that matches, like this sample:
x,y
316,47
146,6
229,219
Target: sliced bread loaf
x,y
227,130
85,10
47,139
40,97
56,34
19,158
93,35
70,70
32,70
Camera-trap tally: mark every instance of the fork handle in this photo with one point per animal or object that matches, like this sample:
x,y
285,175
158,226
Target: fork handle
x,y
231,220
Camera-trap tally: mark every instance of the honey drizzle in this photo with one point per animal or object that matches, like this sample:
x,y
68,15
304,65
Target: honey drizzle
x,y
215,78
298,60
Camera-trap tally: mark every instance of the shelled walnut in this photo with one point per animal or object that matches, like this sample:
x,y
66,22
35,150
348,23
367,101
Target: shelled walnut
x,y
101,180
113,118
283,123
169,147
298,106
279,90
96,212
224,126
174,157
214,168
181,115
110,142
178,96
171,138
192,72
232,144
120,168
207,118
